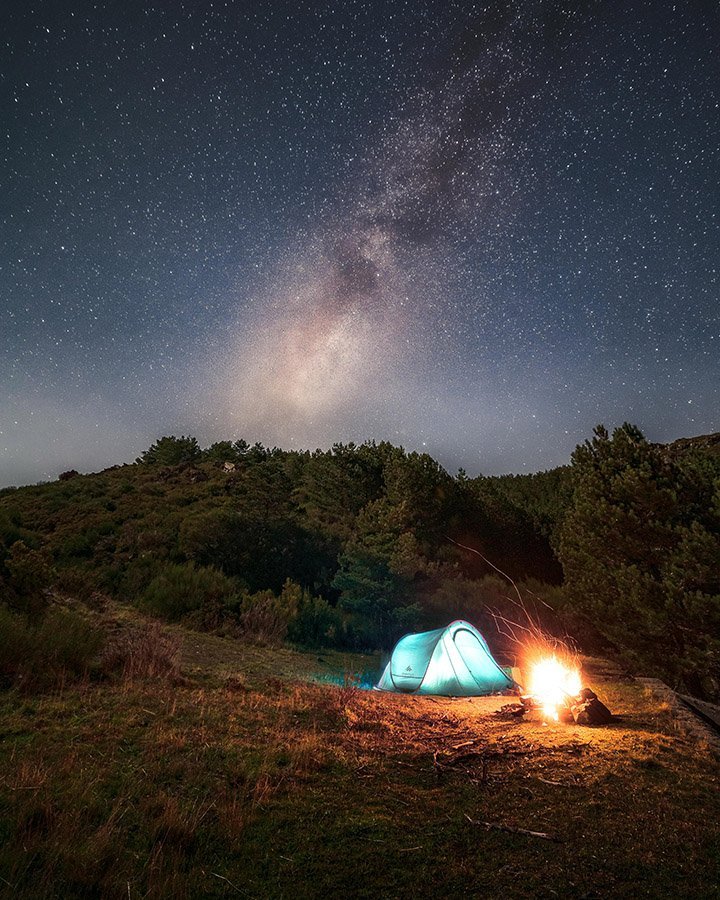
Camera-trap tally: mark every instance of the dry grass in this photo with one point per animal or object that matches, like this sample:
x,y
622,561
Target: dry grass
x,y
143,652
268,787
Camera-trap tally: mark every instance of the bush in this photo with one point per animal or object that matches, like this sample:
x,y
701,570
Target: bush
x,y
264,619
15,647
29,575
143,653
181,588
79,584
67,643
316,624
62,646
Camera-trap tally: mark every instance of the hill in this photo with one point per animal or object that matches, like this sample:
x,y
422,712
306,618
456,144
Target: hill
x,y
364,528
351,547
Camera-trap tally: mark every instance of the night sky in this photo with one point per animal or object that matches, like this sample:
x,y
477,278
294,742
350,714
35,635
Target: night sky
x,y
474,230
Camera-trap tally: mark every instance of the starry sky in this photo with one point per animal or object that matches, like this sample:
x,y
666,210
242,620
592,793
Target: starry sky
x,y
475,230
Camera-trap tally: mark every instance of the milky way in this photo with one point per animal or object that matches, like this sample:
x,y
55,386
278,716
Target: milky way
x,y
476,232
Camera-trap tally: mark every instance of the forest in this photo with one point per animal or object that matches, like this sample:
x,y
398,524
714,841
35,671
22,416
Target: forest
x,y
351,547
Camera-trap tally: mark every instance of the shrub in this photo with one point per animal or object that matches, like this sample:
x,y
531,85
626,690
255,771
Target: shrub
x,y
29,576
15,646
143,653
62,646
67,643
220,616
316,624
181,588
263,618
79,584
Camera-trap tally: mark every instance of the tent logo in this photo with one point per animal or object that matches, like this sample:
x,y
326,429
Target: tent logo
x,y
409,669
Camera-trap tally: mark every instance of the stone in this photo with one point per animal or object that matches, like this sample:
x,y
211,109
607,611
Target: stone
x,y
591,712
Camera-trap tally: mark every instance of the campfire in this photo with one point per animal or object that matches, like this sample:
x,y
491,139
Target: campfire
x,y
555,689
552,684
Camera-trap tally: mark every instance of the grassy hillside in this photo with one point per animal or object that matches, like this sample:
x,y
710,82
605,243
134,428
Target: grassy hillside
x,y
239,775
364,528
352,547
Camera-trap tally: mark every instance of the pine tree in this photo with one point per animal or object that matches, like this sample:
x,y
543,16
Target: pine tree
x,y
639,549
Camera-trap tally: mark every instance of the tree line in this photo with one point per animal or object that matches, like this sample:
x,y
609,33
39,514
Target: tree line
x,y
353,546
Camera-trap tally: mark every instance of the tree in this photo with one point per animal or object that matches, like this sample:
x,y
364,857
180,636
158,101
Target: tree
x,y
171,451
639,549
226,451
377,570
334,486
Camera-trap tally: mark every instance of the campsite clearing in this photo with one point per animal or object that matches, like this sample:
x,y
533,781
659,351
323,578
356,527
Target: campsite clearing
x,y
246,778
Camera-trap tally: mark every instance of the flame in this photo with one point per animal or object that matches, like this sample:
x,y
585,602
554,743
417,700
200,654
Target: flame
x,y
551,682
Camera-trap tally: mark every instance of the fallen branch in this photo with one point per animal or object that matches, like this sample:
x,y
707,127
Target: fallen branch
x,y
511,829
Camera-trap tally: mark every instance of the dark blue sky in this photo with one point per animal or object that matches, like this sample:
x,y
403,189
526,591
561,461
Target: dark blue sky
x,y
474,230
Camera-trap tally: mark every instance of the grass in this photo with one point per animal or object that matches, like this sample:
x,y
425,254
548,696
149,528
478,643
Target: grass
x,y
244,778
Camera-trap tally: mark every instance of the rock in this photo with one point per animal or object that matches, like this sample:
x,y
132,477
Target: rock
x,y
591,712
586,694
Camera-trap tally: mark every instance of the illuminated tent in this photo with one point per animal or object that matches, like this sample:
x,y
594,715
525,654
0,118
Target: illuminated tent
x,y
453,662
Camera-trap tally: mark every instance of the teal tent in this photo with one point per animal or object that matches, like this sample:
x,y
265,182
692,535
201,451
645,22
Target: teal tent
x,y
453,662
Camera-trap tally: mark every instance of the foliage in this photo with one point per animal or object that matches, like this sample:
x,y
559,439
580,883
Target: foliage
x,y
28,578
316,624
226,451
639,549
180,588
264,618
171,451
363,532
39,654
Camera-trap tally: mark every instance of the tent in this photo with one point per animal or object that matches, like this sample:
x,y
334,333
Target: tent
x,y
454,662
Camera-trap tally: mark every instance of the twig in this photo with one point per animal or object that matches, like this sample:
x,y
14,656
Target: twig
x,y
450,761
223,878
511,829
492,565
